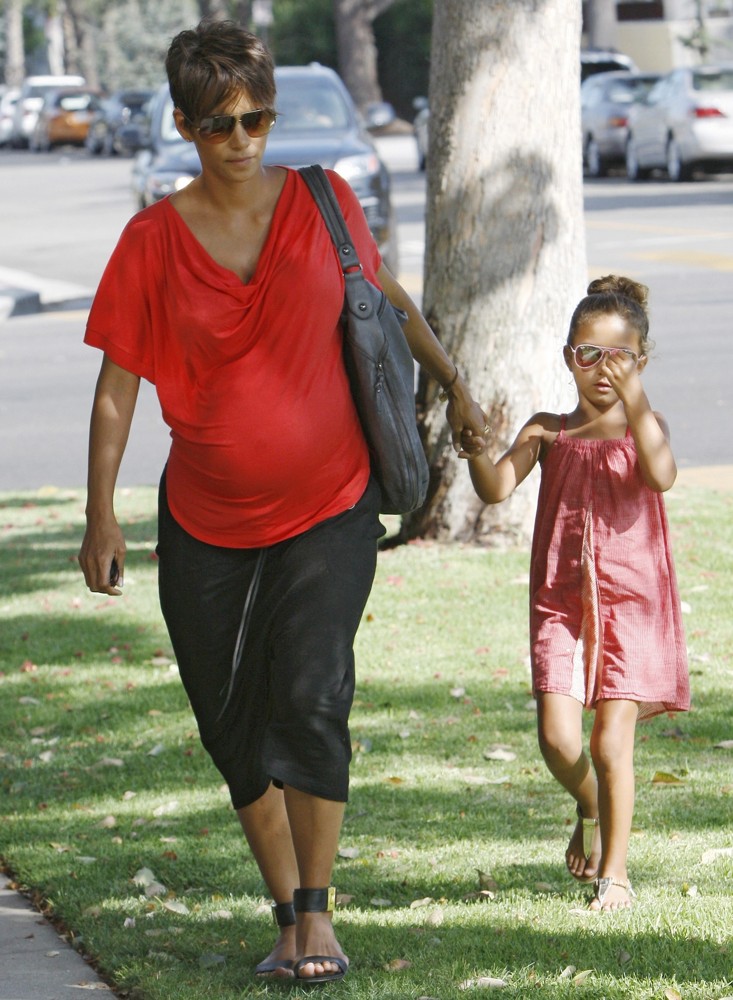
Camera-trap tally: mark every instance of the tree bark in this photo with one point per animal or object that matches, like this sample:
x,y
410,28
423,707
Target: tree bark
x,y
15,54
505,247
357,51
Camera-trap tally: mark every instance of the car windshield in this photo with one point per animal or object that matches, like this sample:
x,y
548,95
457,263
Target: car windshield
x,y
302,106
308,105
75,102
713,79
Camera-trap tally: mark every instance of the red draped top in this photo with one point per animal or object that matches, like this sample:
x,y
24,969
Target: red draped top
x,y
265,440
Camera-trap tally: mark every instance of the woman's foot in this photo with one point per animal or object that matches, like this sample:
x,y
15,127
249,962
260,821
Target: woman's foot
x,y
280,960
319,953
583,855
612,894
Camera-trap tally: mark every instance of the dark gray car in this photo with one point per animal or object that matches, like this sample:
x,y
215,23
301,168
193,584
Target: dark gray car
x,y
317,123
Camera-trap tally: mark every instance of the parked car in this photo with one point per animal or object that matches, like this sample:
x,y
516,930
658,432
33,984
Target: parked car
x,y
605,99
8,100
420,128
64,118
594,61
120,109
32,92
684,124
317,123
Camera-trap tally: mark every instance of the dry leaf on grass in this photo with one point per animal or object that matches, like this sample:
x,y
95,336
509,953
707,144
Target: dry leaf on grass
x,y
483,982
485,881
723,745
380,902
174,906
499,753
715,853
349,852
581,977
417,903
665,778
670,994
397,965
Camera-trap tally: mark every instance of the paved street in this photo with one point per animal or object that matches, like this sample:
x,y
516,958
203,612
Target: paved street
x,y
62,213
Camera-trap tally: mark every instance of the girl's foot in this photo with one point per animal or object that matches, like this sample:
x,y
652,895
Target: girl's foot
x,y
583,855
612,894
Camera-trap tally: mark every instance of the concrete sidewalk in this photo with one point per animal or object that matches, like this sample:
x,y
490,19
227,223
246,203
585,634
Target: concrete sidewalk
x,y
35,963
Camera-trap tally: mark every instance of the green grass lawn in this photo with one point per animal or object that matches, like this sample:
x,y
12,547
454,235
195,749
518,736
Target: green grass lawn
x,y
451,865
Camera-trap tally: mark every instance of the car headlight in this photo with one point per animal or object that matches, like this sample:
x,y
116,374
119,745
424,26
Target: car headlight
x,y
352,168
159,185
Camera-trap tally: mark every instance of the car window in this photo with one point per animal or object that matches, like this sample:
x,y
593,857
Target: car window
x,y
712,80
310,105
75,102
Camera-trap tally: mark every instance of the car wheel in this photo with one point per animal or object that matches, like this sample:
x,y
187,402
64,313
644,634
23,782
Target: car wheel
x,y
595,167
633,171
677,170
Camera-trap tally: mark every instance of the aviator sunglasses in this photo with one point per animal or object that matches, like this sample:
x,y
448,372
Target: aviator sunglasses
x,y
588,355
218,128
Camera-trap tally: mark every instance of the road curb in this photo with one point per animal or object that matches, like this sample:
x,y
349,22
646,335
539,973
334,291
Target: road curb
x,y
19,302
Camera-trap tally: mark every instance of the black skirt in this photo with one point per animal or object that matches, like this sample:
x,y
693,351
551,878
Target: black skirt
x,y
264,644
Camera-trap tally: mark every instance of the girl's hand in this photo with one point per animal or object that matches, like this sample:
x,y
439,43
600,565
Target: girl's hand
x,y
623,374
468,422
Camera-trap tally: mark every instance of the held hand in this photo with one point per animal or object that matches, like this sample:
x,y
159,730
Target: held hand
x,y
102,558
468,423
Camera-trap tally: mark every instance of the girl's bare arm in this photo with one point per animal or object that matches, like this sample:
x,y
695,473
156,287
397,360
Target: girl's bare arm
x,y
495,481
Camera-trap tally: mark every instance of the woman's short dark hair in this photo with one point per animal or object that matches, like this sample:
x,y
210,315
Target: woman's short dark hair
x,y
210,64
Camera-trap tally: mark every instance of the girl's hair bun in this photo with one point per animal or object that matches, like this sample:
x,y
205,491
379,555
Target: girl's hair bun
x,y
617,284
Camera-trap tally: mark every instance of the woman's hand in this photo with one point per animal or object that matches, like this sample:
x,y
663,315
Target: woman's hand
x,y
468,422
102,557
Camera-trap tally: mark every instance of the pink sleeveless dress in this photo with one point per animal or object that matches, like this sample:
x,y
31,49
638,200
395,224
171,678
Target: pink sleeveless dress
x,y
605,615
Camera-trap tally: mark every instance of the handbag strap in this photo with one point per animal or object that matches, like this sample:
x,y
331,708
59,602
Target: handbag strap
x,y
325,198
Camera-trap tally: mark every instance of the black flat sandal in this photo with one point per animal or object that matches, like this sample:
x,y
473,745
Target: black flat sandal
x,y
284,916
317,901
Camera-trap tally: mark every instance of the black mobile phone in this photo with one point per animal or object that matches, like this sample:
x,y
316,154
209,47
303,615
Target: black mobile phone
x,y
114,574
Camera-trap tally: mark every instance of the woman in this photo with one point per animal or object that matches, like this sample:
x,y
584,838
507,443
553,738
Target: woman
x,y
227,296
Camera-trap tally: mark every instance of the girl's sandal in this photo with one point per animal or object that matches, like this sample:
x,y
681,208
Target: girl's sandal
x,y
284,916
590,826
317,901
602,886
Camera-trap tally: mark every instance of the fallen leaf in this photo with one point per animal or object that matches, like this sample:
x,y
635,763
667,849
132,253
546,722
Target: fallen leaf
x,y
484,982
143,876
567,972
483,896
380,902
689,890
174,906
208,960
717,852
129,923
499,753
108,823
671,994
544,887
665,778
343,899
417,903
349,852
624,958
157,750
52,954
155,889
435,918
110,762
397,965
724,745
485,881
582,976
457,692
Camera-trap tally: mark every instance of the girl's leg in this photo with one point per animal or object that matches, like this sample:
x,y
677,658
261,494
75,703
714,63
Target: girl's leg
x,y
612,750
560,733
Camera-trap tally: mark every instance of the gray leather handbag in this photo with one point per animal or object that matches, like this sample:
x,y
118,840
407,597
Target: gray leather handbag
x,y
379,365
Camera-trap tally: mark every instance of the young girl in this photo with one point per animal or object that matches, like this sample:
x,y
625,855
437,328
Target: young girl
x,y
605,617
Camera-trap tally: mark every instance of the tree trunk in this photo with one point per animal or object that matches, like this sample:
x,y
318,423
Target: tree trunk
x,y
15,54
601,24
357,51
505,247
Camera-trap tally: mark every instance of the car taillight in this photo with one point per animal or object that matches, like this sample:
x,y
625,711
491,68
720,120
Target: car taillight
x,y
707,113
618,121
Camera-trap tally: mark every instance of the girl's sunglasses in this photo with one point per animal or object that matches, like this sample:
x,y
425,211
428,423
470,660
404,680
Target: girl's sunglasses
x,y
218,128
588,355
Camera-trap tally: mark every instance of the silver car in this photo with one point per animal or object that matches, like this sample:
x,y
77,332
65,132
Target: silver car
x,y
605,102
684,124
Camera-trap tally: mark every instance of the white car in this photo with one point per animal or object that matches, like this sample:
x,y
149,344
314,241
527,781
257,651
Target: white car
x,y
30,101
684,124
8,100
